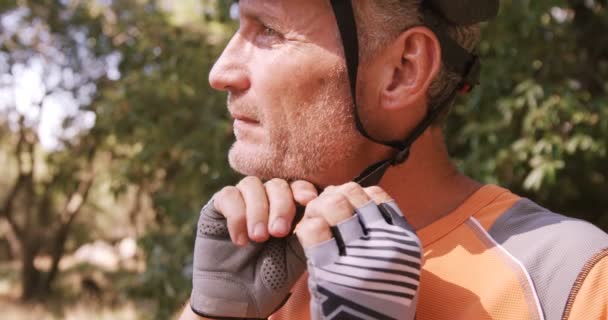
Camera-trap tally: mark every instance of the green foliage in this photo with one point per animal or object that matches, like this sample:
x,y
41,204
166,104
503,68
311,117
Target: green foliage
x,y
158,121
169,134
46,69
538,123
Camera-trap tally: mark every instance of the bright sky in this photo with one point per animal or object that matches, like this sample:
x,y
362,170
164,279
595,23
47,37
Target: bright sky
x,y
44,87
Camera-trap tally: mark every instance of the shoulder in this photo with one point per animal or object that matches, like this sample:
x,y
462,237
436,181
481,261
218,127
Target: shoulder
x,y
589,296
554,250
538,227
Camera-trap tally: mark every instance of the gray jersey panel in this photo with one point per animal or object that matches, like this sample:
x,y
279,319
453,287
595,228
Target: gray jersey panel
x,y
553,249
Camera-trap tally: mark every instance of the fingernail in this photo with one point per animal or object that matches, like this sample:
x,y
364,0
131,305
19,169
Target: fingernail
x,y
259,231
279,226
242,240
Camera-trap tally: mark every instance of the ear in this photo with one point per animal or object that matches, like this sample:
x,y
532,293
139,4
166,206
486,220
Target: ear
x,y
413,61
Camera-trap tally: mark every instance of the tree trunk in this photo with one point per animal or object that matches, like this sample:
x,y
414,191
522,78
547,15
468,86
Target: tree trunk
x,y
30,276
71,210
57,252
12,240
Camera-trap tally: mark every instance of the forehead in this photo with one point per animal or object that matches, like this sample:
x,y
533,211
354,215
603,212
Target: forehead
x,y
258,7
303,22
288,11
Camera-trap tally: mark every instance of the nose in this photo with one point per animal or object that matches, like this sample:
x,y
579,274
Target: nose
x,y
230,72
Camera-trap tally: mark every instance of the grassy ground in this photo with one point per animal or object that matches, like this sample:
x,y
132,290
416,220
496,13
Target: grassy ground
x,y
71,300
14,310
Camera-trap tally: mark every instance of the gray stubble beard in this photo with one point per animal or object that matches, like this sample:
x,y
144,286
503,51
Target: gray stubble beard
x,y
306,154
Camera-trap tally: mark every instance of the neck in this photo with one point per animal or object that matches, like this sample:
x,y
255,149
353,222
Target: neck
x,y
428,186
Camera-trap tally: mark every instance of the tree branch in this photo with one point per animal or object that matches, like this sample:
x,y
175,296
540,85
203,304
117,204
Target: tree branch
x,y
75,203
135,209
7,207
77,199
28,173
13,240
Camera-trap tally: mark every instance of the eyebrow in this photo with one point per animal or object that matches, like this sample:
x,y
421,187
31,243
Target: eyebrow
x,y
267,15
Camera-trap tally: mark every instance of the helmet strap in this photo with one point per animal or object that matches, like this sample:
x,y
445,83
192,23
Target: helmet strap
x,y
454,56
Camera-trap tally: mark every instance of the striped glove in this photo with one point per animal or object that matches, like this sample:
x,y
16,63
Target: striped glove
x,y
369,270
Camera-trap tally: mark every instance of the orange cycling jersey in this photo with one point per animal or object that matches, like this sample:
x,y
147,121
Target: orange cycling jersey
x,y
499,256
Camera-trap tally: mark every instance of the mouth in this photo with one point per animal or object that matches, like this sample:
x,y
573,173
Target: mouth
x,y
244,126
244,119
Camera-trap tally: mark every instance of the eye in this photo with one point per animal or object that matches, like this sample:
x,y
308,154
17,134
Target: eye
x,y
268,36
269,32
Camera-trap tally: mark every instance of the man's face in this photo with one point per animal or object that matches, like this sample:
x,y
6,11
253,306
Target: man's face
x,y
288,92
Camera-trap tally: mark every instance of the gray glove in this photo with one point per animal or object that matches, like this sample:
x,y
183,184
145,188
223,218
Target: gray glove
x,y
369,270
241,282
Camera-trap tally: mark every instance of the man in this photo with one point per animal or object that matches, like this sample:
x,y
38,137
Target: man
x,y
293,72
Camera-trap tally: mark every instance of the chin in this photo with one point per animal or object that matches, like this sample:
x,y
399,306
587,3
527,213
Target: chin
x,y
254,160
268,161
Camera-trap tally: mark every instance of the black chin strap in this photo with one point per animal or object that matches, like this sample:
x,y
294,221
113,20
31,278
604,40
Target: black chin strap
x,y
374,173
454,56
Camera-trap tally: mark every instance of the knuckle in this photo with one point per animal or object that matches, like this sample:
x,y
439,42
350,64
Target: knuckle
x,y
303,231
338,202
316,225
311,226
235,219
350,187
249,180
315,208
276,182
302,192
312,209
298,184
302,186
329,189
374,190
377,194
304,183
227,192
313,231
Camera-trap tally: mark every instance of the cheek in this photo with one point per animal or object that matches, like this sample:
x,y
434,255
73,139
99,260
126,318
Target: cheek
x,y
288,83
271,82
305,78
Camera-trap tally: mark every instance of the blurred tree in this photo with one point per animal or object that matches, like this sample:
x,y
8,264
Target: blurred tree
x,y
45,79
153,117
539,123
169,130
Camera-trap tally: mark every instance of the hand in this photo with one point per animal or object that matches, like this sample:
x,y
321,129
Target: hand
x,y
238,278
363,257
255,210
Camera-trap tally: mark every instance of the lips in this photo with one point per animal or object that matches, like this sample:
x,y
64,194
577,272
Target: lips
x,y
244,118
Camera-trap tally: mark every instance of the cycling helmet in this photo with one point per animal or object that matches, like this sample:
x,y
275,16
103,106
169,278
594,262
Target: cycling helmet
x,y
436,14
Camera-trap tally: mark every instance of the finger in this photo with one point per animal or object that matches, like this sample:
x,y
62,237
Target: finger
x,y
303,192
282,207
378,195
231,205
329,189
333,207
382,199
354,193
313,231
256,207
